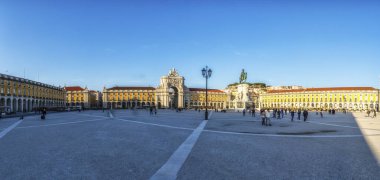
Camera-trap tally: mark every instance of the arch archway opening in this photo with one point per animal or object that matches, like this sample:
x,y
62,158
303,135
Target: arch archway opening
x,y
173,97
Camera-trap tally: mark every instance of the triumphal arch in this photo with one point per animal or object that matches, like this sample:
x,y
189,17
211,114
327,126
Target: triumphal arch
x,y
171,91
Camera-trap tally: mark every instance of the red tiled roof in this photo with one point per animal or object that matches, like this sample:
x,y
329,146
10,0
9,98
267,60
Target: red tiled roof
x,y
342,89
131,88
286,90
74,88
202,89
325,89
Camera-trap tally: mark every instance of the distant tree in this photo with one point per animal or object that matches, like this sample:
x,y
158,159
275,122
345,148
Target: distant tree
x,y
255,85
259,85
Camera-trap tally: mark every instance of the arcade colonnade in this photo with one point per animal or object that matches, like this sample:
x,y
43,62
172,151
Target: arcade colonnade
x,y
27,104
217,99
351,98
23,95
171,93
128,97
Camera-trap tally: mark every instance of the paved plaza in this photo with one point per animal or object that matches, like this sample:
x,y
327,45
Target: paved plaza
x,y
132,144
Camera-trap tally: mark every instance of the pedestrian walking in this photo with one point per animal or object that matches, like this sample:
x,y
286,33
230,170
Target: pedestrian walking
x,y
243,112
267,119
253,112
262,115
292,114
282,113
151,111
374,113
321,114
299,114
305,114
43,116
155,111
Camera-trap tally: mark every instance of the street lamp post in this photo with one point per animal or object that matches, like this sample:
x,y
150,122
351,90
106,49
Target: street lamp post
x,y
378,100
206,73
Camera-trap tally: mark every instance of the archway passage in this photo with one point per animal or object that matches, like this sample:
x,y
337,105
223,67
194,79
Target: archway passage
x,y
173,97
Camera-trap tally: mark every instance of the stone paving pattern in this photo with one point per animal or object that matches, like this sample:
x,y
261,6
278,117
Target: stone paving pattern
x,y
134,145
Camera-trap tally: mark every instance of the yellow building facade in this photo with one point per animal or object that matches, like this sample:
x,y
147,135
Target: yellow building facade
x,y
23,95
351,98
171,93
217,99
139,97
77,96
129,97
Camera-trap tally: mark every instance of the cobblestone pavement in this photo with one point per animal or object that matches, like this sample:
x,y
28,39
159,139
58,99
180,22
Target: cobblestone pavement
x,y
132,144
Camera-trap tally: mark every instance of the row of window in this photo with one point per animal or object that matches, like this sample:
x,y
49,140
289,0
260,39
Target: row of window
x,y
317,100
31,93
322,95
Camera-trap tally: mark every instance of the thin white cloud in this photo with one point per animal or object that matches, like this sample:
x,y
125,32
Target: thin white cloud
x,y
239,53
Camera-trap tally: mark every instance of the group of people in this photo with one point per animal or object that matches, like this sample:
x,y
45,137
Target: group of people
x,y
373,112
305,114
252,112
279,114
265,117
332,111
153,110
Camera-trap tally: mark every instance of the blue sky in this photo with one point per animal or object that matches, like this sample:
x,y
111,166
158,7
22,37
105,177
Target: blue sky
x,y
106,43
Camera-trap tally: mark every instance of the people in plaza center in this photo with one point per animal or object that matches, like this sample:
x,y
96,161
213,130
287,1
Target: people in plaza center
x,y
292,114
151,110
43,111
321,113
267,118
243,112
305,114
374,113
299,114
282,113
262,115
253,112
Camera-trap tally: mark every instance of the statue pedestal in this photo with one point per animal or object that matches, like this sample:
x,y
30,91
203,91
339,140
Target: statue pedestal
x,y
243,92
242,101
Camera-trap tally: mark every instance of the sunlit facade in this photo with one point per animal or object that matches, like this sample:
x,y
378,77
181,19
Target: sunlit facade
x,y
351,98
129,97
23,95
171,93
77,96
217,99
